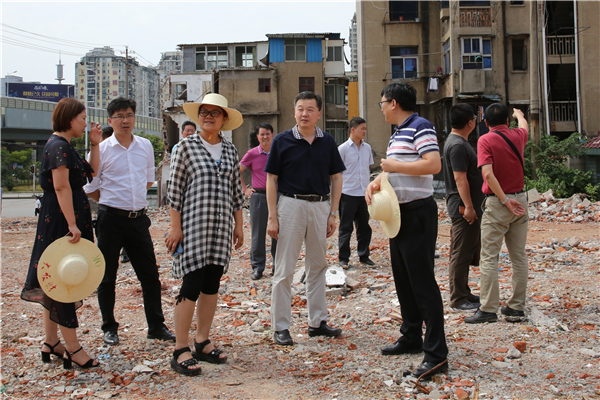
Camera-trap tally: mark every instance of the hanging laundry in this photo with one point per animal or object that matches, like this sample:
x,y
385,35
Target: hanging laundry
x,y
433,85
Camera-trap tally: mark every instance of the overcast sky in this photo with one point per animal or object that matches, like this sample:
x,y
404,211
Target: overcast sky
x,y
148,28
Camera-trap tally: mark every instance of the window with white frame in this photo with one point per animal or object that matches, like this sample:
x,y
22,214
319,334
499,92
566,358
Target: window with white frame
x,y
295,49
209,57
404,62
447,64
476,53
334,53
244,56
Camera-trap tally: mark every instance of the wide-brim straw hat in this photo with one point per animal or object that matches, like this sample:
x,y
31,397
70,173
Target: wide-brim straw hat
x,y
70,272
234,117
384,208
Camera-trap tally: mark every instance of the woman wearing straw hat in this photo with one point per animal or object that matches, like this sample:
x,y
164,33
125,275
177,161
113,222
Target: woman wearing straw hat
x,y
65,210
205,195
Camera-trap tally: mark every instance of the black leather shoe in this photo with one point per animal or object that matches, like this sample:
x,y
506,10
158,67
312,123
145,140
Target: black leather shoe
x,y
343,263
400,348
256,275
161,334
324,330
283,338
367,261
510,312
480,317
111,337
473,298
427,369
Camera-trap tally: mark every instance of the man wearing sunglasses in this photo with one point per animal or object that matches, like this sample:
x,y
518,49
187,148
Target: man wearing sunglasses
x,y
125,174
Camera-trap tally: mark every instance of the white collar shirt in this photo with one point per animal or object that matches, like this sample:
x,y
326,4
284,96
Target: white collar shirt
x,y
124,173
356,177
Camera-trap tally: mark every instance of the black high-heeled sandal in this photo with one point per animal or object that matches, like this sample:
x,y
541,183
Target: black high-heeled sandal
x,y
67,361
213,357
184,367
46,355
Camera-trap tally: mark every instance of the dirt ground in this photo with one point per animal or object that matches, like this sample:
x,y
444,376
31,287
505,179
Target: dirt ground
x,y
561,333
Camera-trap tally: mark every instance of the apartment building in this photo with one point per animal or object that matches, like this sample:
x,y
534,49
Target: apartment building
x,y
352,42
539,56
261,80
101,76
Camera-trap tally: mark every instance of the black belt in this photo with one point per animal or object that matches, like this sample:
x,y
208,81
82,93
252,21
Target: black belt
x,y
263,191
411,205
490,195
122,213
307,197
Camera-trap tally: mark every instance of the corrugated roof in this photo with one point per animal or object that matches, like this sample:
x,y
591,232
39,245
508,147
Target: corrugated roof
x,y
330,35
593,144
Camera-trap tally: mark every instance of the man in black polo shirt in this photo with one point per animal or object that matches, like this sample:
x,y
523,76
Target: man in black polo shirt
x,y
302,162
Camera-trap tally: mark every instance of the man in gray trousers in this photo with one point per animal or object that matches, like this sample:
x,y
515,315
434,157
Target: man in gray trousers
x,y
255,160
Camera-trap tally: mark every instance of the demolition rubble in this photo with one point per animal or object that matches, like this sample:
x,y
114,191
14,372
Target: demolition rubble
x,y
554,352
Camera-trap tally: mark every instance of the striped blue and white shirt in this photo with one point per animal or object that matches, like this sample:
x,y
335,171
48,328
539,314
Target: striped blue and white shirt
x,y
415,137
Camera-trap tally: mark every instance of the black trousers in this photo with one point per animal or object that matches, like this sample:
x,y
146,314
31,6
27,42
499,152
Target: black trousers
x,y
116,232
412,252
354,212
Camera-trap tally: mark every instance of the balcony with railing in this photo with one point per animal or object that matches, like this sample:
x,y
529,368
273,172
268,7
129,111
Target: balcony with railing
x,y
560,49
475,17
563,116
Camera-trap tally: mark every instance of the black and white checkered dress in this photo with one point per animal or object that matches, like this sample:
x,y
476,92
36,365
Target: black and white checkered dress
x,y
206,195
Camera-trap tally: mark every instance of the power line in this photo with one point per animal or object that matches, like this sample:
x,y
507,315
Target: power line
x,y
26,45
41,40
66,41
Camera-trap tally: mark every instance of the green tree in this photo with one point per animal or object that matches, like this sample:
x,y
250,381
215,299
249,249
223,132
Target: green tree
x,y
11,176
553,173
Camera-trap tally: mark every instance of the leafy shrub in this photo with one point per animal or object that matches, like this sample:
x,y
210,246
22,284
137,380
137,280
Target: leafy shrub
x,y
553,172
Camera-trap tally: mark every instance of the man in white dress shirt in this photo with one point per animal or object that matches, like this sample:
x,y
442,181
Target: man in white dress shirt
x,y
125,174
357,156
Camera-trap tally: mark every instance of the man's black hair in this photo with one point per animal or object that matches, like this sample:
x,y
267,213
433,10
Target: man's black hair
x,y
404,94
107,131
186,123
309,96
253,140
460,115
120,104
496,114
356,121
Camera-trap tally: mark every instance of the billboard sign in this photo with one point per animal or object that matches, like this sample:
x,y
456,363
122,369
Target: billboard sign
x,y
39,91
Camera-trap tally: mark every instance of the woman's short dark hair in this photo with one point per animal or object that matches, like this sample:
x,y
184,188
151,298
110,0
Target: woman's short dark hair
x,y
120,103
460,115
65,111
496,114
404,94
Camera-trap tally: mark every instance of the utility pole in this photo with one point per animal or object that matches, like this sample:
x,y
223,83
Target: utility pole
x,y
534,83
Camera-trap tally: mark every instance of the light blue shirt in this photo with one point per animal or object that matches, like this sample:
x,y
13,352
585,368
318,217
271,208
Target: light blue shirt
x,y
356,177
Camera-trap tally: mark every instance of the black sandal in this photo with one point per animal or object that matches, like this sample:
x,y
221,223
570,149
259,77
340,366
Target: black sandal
x,y
184,366
212,357
68,362
46,355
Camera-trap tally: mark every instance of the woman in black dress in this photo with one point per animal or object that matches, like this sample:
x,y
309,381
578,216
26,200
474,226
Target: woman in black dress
x,y
65,211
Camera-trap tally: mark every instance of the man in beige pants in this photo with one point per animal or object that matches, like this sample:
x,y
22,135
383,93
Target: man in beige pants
x,y
500,155
302,163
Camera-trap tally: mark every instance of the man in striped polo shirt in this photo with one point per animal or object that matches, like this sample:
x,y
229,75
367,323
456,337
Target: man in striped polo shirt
x,y
412,158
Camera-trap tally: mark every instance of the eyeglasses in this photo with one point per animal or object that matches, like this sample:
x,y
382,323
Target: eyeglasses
x,y
385,101
213,113
120,117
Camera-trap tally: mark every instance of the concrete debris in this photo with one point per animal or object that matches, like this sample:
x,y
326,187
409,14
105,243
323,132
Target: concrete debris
x,y
335,276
